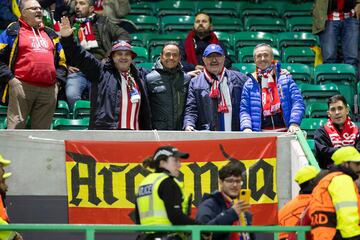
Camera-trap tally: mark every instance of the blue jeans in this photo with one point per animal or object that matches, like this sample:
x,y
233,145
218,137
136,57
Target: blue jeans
x,y
346,31
76,83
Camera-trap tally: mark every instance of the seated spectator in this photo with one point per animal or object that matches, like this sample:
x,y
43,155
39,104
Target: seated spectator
x,y
167,86
334,21
270,100
9,12
95,33
339,131
213,100
290,213
224,207
118,96
197,40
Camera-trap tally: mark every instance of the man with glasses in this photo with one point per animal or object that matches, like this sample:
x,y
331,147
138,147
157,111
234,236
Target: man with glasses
x,y
213,100
167,86
223,207
31,62
339,131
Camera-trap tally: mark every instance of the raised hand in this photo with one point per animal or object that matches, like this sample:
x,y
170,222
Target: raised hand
x,y
65,27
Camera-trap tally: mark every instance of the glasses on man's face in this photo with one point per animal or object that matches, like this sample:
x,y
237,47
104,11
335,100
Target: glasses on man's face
x,y
34,8
233,181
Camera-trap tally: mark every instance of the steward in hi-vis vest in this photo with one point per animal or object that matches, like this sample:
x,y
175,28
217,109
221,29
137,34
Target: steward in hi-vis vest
x,y
160,198
334,207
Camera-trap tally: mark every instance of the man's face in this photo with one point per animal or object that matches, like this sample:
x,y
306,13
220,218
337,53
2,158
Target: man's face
x,y
32,13
83,9
231,186
202,25
338,112
122,60
170,56
263,57
214,63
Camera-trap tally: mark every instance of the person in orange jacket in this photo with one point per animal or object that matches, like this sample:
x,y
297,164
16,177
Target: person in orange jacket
x,y
290,213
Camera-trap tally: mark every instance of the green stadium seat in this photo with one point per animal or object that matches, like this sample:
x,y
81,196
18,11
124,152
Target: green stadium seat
x,y
301,73
177,23
291,39
146,65
144,23
81,109
318,93
71,124
311,144
299,24
142,54
231,54
222,8
139,39
166,8
225,39
3,123
155,53
249,9
311,124
244,39
316,110
245,67
156,39
230,24
264,24
3,111
300,9
142,8
246,54
299,55
343,75
62,110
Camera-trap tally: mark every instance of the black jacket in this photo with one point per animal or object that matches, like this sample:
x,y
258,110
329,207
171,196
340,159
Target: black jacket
x,y
167,91
106,88
324,148
213,211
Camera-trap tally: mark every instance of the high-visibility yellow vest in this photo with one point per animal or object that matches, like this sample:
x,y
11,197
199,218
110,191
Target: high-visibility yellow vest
x,y
151,207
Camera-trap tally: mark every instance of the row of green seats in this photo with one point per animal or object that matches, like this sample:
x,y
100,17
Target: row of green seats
x,y
238,8
168,24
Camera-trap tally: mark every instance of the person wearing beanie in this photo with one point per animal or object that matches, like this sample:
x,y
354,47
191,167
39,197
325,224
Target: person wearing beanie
x,y
118,96
290,213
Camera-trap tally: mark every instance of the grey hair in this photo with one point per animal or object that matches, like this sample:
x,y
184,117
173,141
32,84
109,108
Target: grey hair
x,y
262,45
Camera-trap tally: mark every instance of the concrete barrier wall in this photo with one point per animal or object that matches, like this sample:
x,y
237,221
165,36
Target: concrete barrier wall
x,y
38,166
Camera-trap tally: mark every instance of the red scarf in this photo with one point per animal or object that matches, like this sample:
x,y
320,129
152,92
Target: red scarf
x,y
215,90
346,137
85,33
98,5
190,46
270,94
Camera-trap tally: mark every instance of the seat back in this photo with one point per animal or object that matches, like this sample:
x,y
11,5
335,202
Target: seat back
x,y
81,109
71,124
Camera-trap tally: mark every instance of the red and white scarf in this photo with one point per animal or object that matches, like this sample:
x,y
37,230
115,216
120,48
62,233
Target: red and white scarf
x,y
215,90
270,94
346,137
84,32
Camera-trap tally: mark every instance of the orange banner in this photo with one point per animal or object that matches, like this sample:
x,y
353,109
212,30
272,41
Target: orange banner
x,y
102,176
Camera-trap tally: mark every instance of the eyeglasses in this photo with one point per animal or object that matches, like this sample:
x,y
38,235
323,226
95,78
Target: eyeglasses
x,y
34,8
233,181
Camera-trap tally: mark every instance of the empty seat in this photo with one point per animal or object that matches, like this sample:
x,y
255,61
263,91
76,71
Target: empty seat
x,y
142,8
316,110
71,124
177,23
142,54
230,24
145,23
147,65
245,67
225,39
291,39
139,39
155,53
265,24
300,9
311,124
318,93
62,110
155,39
299,24
166,8
299,55
243,39
222,8
81,109
301,73
248,9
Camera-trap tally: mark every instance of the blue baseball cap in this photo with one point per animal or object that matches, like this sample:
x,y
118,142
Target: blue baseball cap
x,y
213,48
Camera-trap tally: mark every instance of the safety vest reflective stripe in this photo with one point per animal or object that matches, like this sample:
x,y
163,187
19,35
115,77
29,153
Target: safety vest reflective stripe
x,y
345,204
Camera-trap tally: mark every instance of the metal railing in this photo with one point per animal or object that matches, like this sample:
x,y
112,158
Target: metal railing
x,y
305,146
195,230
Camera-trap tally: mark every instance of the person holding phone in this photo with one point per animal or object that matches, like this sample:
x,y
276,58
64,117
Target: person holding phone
x,y
228,205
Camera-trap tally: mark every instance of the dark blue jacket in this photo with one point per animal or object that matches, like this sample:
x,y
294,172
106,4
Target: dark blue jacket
x,y
106,92
201,110
213,211
292,103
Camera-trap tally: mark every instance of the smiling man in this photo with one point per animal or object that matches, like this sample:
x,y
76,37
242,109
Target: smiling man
x,y
213,100
339,131
31,61
118,97
167,86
